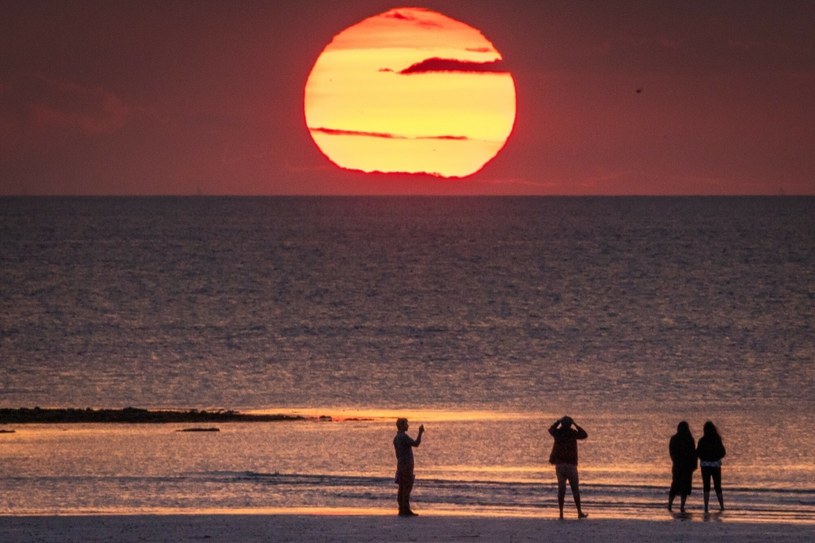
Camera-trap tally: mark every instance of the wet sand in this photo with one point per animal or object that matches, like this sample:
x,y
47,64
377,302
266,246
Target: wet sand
x,y
373,528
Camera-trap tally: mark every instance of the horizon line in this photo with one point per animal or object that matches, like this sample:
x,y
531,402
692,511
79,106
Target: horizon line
x,y
403,195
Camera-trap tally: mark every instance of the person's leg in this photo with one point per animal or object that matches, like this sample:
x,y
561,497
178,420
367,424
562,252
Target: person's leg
x,y
574,483
717,485
685,482
561,488
706,486
405,481
671,496
400,497
404,508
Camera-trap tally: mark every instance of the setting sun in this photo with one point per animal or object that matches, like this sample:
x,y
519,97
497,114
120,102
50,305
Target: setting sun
x,y
413,91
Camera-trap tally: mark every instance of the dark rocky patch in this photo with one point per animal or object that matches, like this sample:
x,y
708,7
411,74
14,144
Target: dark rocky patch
x,y
39,415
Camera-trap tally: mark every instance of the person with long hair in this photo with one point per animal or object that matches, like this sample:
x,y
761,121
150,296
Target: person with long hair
x,y
682,448
710,451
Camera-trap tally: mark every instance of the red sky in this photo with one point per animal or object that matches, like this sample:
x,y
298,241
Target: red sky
x,y
624,97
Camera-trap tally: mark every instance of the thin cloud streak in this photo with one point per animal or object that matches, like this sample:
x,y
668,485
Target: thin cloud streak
x,y
384,135
400,16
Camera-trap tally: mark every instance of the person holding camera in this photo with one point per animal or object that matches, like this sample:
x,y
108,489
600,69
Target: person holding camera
x,y
403,445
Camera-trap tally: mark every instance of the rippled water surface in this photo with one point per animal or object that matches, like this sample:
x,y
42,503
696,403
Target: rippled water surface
x,y
484,318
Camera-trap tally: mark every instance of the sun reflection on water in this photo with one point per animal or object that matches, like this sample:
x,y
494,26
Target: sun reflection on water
x,y
420,416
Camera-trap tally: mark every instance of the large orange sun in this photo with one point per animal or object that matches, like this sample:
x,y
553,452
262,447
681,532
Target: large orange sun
x,y
410,90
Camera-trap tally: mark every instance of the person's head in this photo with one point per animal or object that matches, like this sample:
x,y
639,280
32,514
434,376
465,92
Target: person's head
x,y
402,425
566,421
710,429
683,427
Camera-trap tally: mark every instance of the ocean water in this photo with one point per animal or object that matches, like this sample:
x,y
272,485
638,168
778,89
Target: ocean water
x,y
483,318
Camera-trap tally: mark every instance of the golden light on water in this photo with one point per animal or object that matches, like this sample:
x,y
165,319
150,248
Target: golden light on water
x,y
417,416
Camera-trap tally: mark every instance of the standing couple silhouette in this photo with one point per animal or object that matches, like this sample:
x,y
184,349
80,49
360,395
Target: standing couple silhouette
x,y
686,455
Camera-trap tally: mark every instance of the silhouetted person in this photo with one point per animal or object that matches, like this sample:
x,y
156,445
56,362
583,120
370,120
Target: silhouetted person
x,y
682,448
564,457
403,444
710,451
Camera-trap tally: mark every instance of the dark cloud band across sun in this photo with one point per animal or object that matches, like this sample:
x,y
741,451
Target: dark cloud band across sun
x,y
449,65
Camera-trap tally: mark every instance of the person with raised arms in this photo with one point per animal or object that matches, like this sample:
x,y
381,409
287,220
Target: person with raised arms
x,y
564,458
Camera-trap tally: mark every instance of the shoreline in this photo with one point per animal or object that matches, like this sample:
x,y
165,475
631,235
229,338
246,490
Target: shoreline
x,y
333,526
548,513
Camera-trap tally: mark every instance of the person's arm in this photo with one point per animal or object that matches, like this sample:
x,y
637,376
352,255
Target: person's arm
x,y
418,440
581,433
553,428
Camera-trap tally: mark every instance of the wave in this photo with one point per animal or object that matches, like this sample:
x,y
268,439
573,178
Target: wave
x,y
367,479
502,494
239,490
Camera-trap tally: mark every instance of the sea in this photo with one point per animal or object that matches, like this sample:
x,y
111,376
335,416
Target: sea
x,y
483,318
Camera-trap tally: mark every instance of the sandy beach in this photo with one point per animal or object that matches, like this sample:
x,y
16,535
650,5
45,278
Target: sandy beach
x,y
337,528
